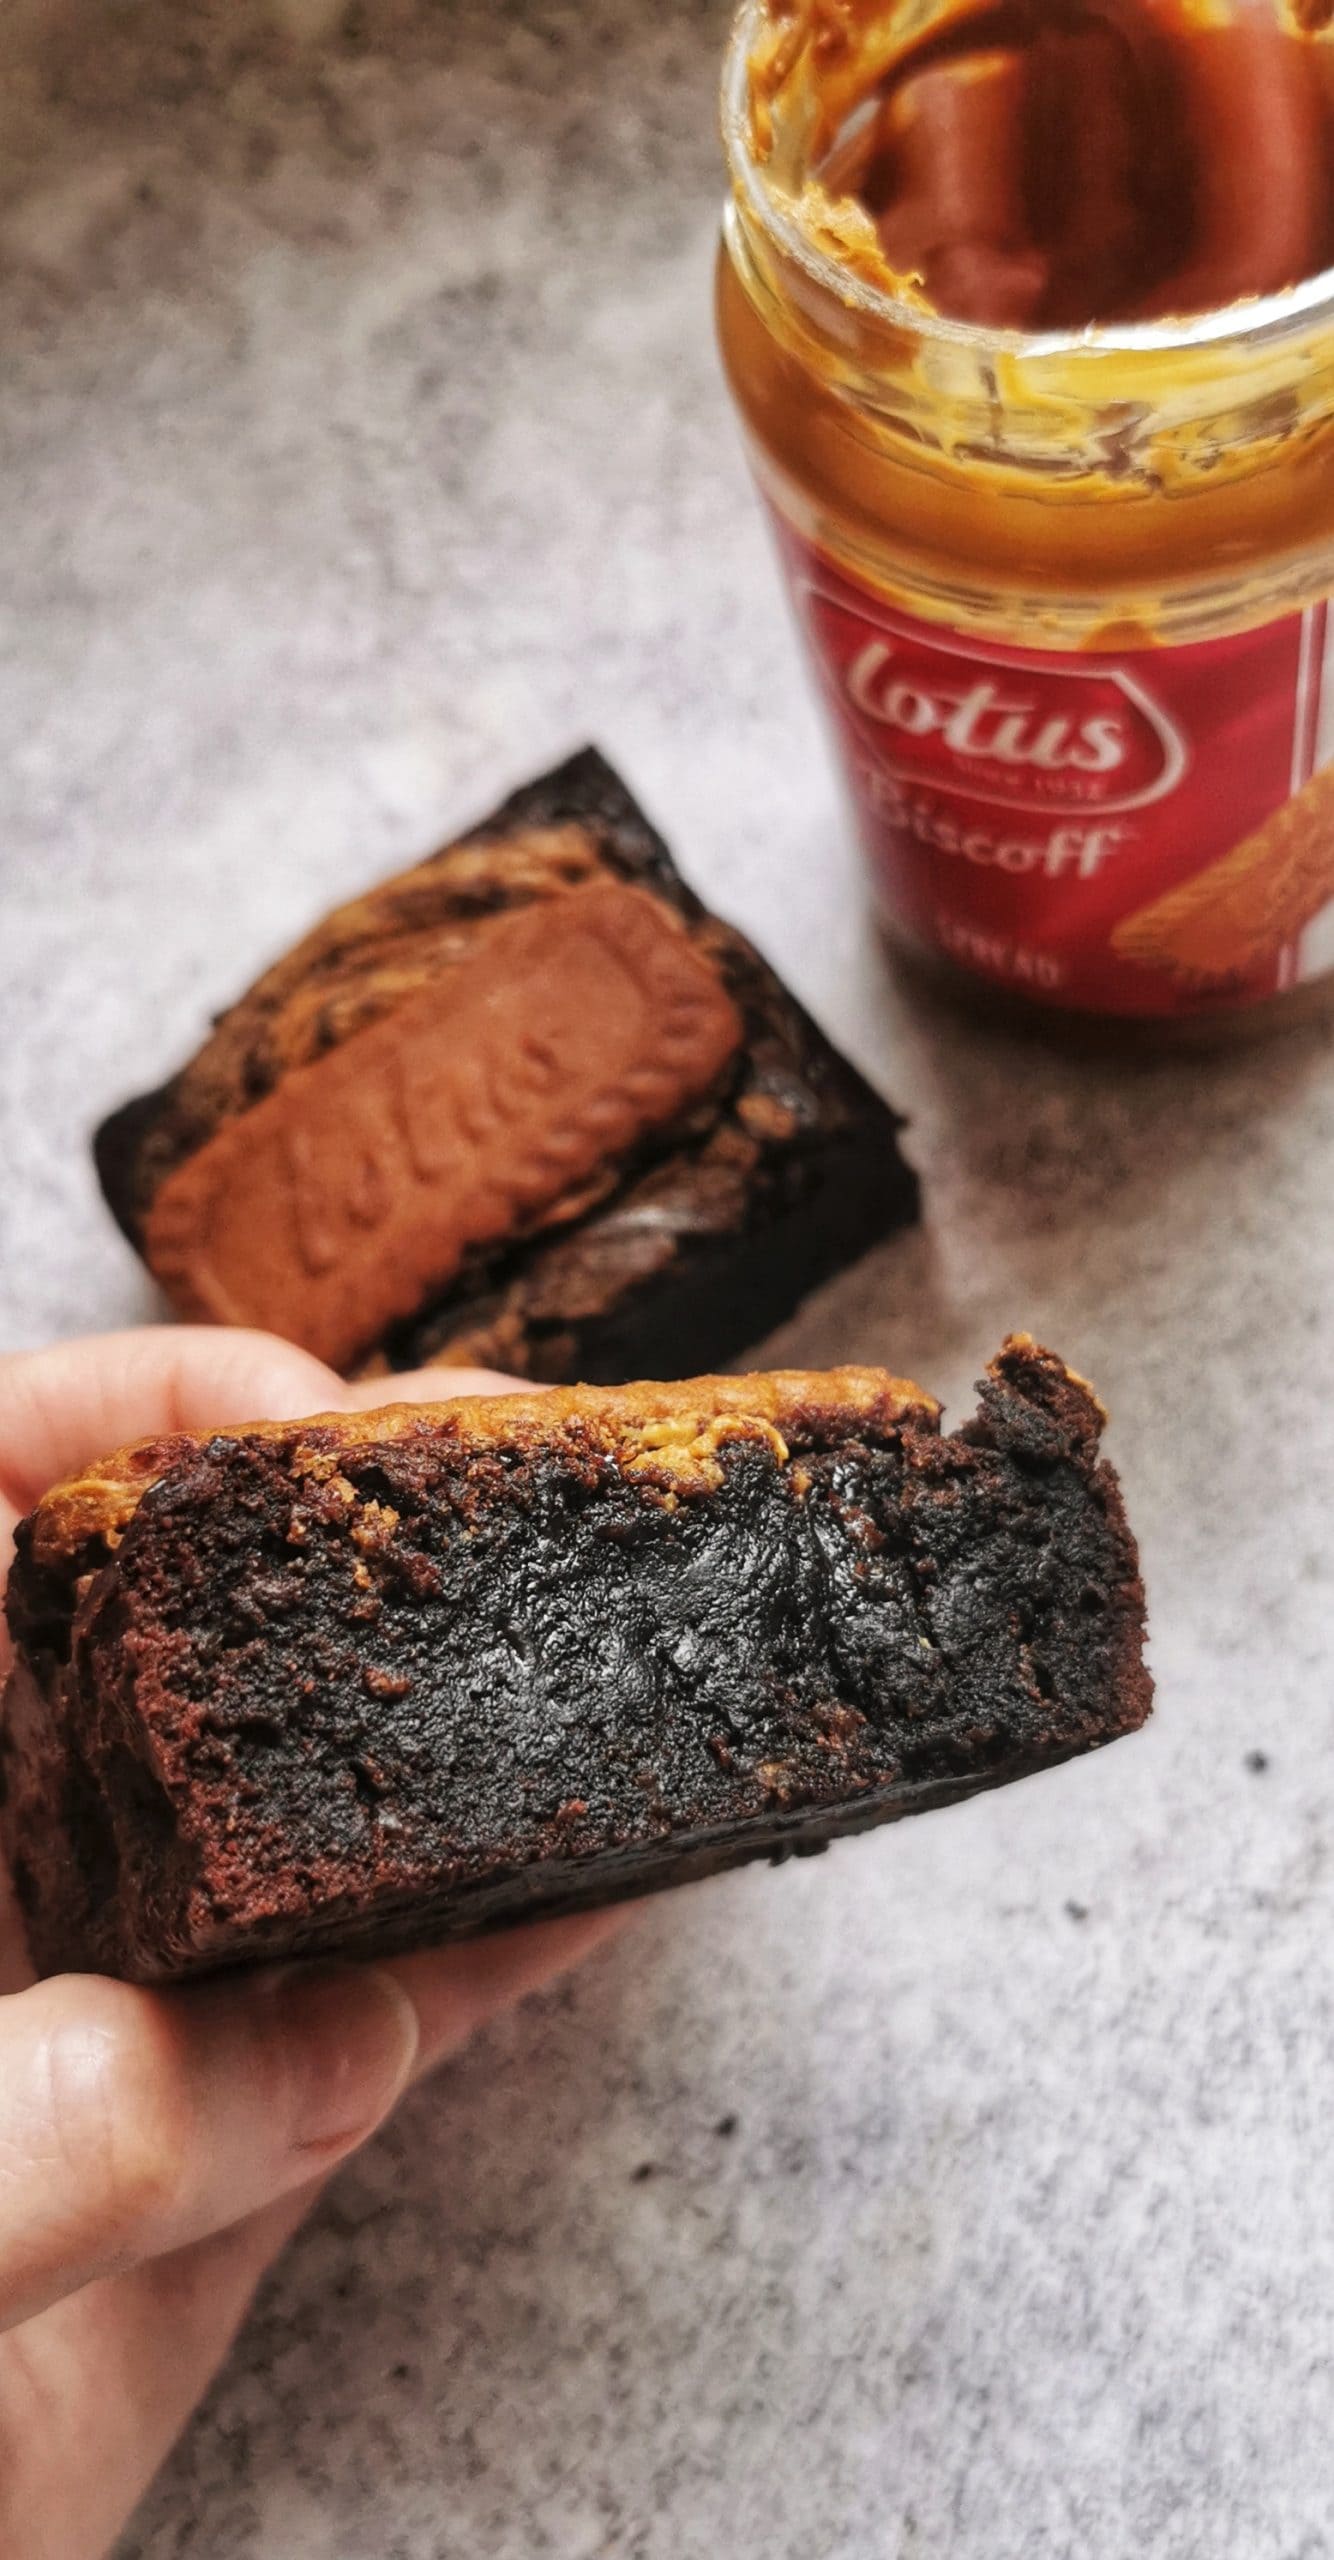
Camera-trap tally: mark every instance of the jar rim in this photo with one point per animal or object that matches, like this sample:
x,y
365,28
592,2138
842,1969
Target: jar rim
x,y
1267,319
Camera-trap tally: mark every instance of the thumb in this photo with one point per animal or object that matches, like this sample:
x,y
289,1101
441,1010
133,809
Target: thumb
x,y
133,2122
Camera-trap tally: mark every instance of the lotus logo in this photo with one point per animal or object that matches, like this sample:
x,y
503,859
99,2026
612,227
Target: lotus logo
x,y
1067,738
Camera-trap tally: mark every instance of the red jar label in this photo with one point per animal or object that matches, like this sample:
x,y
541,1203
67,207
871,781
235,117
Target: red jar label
x,y
1145,832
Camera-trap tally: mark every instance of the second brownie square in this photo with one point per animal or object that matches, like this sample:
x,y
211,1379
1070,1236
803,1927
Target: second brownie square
x,y
528,1105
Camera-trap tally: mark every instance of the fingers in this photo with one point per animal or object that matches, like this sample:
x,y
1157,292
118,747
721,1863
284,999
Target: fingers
x,y
163,2330
133,2123
115,2373
454,1990
80,1400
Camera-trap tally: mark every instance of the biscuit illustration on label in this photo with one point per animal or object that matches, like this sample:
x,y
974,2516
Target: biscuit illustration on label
x,y
1234,917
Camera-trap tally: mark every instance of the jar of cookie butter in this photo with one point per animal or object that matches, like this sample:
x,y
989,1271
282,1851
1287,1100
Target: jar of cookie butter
x,y
1062,559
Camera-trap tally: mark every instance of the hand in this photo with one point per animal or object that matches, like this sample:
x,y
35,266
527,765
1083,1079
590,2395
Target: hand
x,y
158,2148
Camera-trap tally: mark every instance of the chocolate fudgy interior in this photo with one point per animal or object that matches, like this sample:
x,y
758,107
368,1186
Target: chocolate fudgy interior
x,y
684,1242
367,1682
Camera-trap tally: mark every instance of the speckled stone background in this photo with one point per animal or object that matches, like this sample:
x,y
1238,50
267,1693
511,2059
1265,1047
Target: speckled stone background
x,y
965,2195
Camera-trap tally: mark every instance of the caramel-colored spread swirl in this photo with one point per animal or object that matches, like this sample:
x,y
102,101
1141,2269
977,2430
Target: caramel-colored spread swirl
x,y
1054,164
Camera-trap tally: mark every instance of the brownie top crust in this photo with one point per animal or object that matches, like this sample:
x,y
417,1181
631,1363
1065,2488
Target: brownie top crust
x,y
369,1681
670,1433
368,1173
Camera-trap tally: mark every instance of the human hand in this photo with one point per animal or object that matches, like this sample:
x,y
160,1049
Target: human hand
x,y
158,2148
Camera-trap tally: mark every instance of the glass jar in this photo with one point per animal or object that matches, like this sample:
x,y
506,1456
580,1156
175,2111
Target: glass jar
x,y
1066,601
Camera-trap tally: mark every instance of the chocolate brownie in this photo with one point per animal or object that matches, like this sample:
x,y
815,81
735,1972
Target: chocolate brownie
x,y
361,1682
527,1105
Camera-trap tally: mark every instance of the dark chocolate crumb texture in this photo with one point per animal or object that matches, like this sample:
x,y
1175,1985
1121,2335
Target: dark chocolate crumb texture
x,y
527,1105
364,1682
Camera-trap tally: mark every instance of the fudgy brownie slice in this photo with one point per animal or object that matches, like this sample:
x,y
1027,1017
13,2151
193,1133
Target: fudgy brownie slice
x,y
362,1682
529,1105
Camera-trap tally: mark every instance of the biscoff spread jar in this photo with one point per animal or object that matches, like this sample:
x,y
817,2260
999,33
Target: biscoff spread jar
x,y
1062,560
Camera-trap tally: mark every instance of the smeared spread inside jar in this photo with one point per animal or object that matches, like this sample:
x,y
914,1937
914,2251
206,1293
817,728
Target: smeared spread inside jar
x,y
1054,164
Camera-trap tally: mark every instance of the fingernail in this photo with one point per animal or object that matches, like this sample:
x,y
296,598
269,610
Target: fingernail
x,y
350,2034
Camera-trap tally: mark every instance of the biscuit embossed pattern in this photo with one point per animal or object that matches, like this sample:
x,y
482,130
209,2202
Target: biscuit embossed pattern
x,y
368,1173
